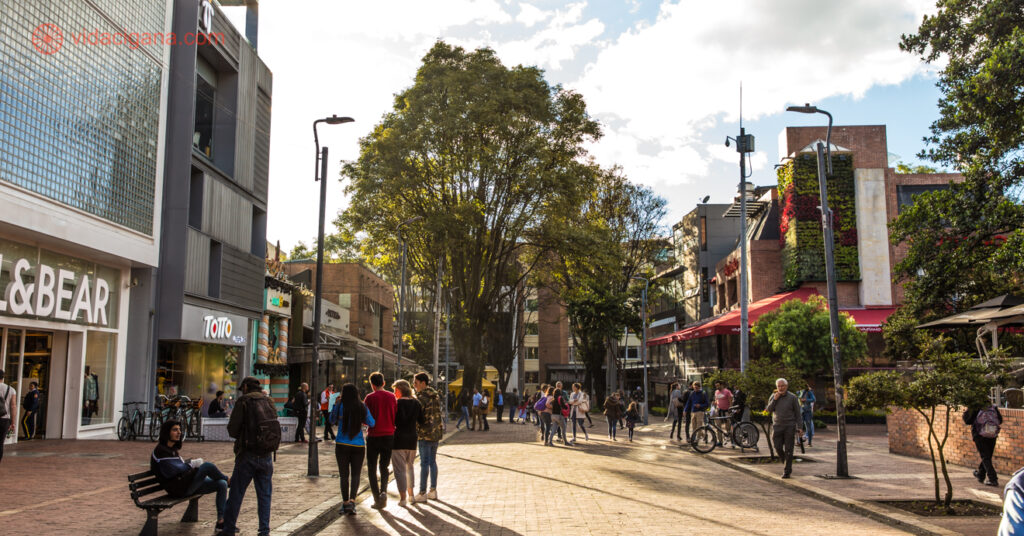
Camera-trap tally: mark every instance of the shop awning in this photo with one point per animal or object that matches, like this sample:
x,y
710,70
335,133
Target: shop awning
x,y
867,320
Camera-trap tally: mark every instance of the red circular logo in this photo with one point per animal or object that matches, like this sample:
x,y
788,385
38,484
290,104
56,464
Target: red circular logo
x,y
47,38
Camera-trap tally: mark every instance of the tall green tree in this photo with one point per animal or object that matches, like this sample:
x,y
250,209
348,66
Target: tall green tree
x,y
492,158
799,334
966,243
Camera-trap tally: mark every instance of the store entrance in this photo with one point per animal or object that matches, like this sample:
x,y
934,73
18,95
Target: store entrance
x,y
27,357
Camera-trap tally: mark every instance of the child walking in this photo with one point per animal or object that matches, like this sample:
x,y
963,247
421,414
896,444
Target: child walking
x,y
632,416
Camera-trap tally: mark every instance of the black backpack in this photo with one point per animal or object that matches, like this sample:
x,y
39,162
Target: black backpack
x,y
263,430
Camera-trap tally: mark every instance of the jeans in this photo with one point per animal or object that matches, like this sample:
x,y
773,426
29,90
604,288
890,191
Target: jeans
x,y
209,479
579,420
350,466
686,419
260,471
557,427
511,414
986,447
612,428
428,464
463,417
809,425
677,423
378,456
545,426
300,429
499,409
783,437
328,432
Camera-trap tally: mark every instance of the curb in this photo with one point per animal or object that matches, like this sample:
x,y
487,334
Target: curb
x,y
907,522
322,515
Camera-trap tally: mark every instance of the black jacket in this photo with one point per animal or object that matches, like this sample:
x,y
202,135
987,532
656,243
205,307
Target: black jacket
x,y
172,472
301,405
409,413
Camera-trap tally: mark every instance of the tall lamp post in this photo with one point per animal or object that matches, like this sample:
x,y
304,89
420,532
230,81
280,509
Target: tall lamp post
x,y
744,146
401,295
319,174
824,170
643,345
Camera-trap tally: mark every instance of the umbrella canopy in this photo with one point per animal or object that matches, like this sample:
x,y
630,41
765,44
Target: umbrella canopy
x,y
1002,309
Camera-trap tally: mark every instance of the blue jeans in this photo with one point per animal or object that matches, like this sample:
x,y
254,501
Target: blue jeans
x,y
428,464
209,479
579,420
259,470
612,428
463,417
809,424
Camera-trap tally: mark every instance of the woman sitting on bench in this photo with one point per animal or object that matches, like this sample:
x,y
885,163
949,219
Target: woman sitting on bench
x,y
184,478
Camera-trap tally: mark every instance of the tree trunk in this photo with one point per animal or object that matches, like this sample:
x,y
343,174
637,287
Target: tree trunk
x,y
468,342
931,450
942,462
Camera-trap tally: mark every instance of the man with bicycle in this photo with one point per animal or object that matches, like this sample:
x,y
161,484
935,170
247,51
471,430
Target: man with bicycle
x,y
786,420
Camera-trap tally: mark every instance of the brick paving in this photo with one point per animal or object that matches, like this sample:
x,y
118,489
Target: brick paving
x,y
504,482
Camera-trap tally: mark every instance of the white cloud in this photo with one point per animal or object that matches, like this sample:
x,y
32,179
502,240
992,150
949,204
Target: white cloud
x,y
531,15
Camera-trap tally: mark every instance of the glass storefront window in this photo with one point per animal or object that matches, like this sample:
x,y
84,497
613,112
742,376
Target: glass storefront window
x,y
98,381
197,370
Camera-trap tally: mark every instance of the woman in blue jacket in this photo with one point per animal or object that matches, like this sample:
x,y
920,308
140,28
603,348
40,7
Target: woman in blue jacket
x,y
696,405
350,414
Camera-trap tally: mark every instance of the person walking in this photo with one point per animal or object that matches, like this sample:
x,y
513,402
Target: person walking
x,y
184,478
696,405
8,407
30,405
429,432
632,416
557,405
512,402
785,409
485,406
723,401
580,405
380,440
687,414
463,402
477,425
587,413
985,423
499,404
673,410
257,433
325,406
807,401
612,411
349,414
300,407
408,414
544,412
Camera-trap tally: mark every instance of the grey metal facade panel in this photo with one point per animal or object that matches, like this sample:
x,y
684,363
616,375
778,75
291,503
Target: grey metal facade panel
x,y
261,153
227,215
232,39
197,262
245,118
242,278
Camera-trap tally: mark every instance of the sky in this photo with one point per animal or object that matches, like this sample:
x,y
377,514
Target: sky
x,y
662,77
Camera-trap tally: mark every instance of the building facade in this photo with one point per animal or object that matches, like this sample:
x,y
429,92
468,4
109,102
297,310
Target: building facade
x,y
209,289
81,182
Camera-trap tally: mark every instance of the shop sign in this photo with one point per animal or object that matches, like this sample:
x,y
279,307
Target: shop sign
x,y
333,317
217,327
45,293
205,15
278,302
205,325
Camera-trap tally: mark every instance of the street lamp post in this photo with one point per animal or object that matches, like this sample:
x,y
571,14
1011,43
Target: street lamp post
x,y
401,295
319,174
643,344
824,170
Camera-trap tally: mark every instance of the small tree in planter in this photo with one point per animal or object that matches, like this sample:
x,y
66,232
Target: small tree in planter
x,y
946,380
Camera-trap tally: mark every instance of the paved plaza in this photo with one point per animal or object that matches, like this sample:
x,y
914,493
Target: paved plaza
x,y
502,482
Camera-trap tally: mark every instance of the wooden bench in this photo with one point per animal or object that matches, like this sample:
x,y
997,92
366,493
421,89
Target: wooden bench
x,y
143,484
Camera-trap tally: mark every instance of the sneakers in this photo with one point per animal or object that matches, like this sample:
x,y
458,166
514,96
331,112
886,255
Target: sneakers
x,y
979,475
381,501
348,508
432,494
992,483
403,503
785,475
422,497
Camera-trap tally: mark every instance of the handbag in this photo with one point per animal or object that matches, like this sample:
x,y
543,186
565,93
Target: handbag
x,y
584,406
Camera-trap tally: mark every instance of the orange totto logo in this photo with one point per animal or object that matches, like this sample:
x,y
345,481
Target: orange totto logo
x,y
47,38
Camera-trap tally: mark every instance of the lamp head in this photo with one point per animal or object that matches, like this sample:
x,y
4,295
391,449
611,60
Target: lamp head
x,y
805,109
705,200
335,120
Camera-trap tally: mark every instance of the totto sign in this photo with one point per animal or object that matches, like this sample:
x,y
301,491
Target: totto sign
x,y
216,327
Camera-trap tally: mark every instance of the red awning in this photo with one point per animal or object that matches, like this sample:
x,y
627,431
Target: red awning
x,y
867,320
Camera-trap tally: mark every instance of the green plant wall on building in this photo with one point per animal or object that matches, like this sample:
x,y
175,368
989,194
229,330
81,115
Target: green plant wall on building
x,y
801,235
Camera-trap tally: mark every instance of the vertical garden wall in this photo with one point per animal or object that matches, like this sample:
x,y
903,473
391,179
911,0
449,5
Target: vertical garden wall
x,y
803,250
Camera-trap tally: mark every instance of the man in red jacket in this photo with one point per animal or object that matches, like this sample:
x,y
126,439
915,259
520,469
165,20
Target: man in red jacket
x,y
381,438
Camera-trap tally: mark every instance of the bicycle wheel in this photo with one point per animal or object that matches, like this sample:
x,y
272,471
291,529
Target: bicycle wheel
x,y
122,429
195,427
745,435
138,425
703,439
154,426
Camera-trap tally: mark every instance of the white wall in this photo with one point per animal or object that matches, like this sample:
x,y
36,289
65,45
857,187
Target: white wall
x,y
873,238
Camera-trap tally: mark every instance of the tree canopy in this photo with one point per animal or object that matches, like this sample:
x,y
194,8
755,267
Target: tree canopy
x,y
492,158
798,333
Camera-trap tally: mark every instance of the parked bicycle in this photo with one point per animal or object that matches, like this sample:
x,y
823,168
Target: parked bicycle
x,y
132,423
743,434
166,409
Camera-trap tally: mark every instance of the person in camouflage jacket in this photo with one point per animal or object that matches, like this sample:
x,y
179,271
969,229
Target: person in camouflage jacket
x,y
429,431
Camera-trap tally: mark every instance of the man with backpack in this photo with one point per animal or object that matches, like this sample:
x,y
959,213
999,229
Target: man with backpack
x,y
984,430
8,401
257,434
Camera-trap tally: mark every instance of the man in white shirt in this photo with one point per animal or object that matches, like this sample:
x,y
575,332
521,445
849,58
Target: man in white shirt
x,y
8,402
